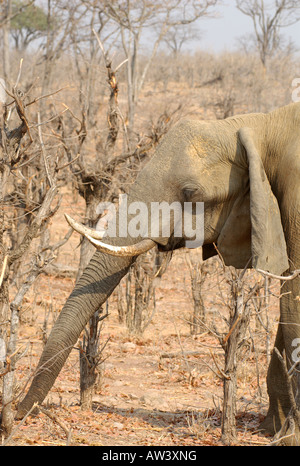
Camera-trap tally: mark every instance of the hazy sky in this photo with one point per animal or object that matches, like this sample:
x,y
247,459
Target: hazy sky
x,y
222,33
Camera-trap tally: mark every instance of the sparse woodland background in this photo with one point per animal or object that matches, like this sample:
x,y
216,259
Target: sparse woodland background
x,y
89,88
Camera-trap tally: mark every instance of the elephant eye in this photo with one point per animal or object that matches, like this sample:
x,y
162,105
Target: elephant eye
x,y
188,194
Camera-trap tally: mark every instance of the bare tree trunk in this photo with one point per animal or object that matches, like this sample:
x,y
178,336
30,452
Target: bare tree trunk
x,y
268,22
89,359
140,294
4,298
5,31
232,343
229,384
48,57
261,304
197,276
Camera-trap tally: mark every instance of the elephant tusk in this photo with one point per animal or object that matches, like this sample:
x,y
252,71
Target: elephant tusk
x,y
129,251
83,230
95,236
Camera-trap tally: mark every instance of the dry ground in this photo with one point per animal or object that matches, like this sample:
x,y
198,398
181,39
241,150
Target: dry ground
x,y
144,398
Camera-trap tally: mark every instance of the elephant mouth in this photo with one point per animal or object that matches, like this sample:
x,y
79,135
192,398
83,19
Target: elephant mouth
x,y
171,245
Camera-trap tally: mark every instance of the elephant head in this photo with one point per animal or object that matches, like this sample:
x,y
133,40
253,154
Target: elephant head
x,y
237,170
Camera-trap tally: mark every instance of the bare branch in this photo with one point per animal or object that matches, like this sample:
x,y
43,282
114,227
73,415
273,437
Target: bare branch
x,y
280,277
45,158
3,270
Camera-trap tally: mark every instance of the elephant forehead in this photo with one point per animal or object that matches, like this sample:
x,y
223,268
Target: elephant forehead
x,y
193,138
203,146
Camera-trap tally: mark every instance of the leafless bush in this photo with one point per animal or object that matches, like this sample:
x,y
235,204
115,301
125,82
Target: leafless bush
x,y
28,201
198,274
238,295
232,343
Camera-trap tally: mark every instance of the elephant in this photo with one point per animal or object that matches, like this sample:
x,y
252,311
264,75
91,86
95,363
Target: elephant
x,y
245,171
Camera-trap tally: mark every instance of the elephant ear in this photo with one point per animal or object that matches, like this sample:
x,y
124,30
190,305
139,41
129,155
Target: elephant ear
x,y
253,230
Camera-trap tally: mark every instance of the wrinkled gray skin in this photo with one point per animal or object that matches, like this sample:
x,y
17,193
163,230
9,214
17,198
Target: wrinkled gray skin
x,y
246,169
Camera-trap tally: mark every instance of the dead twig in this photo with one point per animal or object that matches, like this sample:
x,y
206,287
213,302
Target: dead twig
x,y
55,418
45,96
45,158
177,355
3,270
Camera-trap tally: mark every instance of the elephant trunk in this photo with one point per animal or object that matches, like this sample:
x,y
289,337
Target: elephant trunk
x,y
96,284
